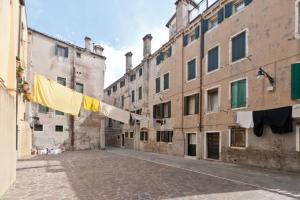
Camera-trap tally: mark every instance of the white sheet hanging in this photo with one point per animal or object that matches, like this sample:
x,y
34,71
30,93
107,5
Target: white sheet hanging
x,y
114,113
245,119
296,111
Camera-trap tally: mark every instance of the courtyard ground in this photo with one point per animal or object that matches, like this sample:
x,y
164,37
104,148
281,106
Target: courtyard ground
x,y
127,174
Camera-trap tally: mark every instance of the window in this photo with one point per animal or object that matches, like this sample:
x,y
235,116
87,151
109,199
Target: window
x,y
43,109
132,96
157,85
131,134
38,127
212,23
238,94
62,81
126,134
78,55
140,71
108,92
238,137
59,128
144,136
295,81
79,87
213,100
59,112
191,70
238,47
115,88
162,110
122,100
140,93
297,19
122,83
164,136
169,52
166,81
213,59
239,6
191,104
61,51
132,77
110,123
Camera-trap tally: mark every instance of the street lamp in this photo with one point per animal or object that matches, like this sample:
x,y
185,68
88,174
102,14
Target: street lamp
x,y
262,73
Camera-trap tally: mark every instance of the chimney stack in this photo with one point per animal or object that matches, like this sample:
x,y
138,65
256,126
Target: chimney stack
x,y
147,45
98,49
128,61
182,14
88,43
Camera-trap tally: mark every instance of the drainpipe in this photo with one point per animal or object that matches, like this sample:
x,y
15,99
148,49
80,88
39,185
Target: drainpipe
x,y
72,119
182,95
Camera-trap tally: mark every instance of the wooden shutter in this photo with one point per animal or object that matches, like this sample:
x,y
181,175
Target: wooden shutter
x,y
220,15
239,47
247,2
197,32
234,95
241,99
169,52
166,81
295,81
67,52
228,9
186,105
157,85
213,59
169,109
162,56
204,25
185,40
158,60
196,103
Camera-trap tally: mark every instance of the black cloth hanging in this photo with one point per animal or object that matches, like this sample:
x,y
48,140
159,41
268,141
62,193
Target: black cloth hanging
x,y
279,119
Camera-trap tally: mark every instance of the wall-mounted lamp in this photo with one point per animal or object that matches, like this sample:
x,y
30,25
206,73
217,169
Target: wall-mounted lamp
x,y
262,73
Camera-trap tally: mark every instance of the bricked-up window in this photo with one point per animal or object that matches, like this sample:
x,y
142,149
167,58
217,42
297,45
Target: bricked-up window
x,y
79,87
140,93
140,71
213,59
238,137
43,109
238,47
213,100
131,135
239,93
164,136
144,136
59,128
191,70
191,104
61,51
38,127
162,110
166,81
157,85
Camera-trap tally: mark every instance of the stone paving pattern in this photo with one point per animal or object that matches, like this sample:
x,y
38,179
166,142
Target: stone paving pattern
x,y
113,175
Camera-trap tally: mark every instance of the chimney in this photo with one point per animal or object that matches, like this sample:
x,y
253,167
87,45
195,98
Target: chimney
x,y
98,49
182,14
88,43
147,45
128,61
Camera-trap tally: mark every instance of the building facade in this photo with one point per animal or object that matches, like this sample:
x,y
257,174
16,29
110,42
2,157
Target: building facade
x,y
15,137
207,72
81,69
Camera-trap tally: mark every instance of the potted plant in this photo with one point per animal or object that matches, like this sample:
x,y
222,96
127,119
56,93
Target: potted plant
x,y
26,97
25,86
20,71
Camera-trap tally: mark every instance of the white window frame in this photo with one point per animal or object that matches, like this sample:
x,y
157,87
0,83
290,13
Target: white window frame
x,y
163,81
229,96
205,143
246,140
219,59
206,99
297,20
246,30
186,144
196,69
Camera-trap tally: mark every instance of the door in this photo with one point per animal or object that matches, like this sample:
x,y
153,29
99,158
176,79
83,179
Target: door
x,y
191,144
123,140
213,141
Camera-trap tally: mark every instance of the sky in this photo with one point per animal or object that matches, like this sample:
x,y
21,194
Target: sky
x,y
117,25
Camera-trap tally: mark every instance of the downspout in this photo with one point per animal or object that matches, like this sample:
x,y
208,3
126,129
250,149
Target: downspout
x,y
72,119
182,94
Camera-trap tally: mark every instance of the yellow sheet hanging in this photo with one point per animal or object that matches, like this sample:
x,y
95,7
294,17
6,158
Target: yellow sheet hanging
x,y
95,105
56,96
90,103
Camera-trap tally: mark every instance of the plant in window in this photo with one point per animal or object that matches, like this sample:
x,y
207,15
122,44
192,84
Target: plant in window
x,y
20,71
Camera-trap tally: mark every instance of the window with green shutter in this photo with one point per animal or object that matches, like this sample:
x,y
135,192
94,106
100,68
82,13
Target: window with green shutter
x,y
197,32
191,70
295,81
43,109
204,25
247,2
185,40
238,47
238,94
220,15
169,52
228,9
166,81
213,59
157,85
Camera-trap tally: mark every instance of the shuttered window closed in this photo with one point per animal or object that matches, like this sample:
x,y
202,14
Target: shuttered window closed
x,y
238,47
213,59
238,94
295,81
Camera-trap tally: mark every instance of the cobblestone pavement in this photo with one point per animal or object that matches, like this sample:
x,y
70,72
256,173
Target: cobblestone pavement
x,y
123,174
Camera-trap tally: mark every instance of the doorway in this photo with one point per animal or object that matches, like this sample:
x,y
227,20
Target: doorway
x,y
191,144
123,140
213,145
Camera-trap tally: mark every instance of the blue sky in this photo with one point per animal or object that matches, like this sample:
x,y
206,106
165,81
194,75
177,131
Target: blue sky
x,y
118,25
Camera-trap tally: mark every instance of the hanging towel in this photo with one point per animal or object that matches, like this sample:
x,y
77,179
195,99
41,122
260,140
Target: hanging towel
x,y
56,96
114,113
144,121
245,119
87,102
95,105
279,119
296,111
